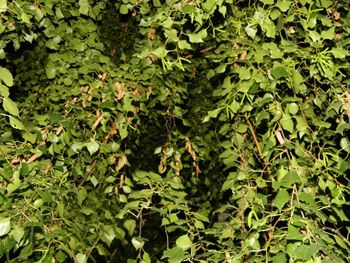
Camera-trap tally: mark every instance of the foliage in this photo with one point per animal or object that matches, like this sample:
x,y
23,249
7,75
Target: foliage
x,y
177,130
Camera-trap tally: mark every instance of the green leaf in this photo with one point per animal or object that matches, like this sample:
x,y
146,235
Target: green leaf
x,y
130,226
183,44
81,258
25,18
124,9
3,6
293,233
4,226
4,91
175,255
108,235
6,76
84,7
16,123
293,108
17,233
267,2
251,32
328,34
287,123
160,52
290,179
284,5
281,199
305,252
82,194
209,5
279,72
50,71
137,242
339,52
198,37
92,147
345,144
10,106
244,73
184,242
212,114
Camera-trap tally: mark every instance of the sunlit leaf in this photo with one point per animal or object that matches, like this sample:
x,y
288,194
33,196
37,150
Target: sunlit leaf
x,y
6,76
4,226
10,106
184,242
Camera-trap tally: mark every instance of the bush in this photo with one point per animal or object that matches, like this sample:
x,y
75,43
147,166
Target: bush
x,y
180,131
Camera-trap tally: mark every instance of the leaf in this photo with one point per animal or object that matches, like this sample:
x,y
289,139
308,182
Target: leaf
x,y
251,32
290,178
4,91
82,194
267,2
345,144
108,235
279,72
198,37
16,123
328,34
3,6
212,114
81,258
183,44
6,76
4,226
184,242
175,255
305,252
10,106
124,9
339,52
160,52
92,147
281,199
209,5
293,233
244,73
283,5
17,233
84,7
287,123
293,108
137,242
50,71
130,226
25,18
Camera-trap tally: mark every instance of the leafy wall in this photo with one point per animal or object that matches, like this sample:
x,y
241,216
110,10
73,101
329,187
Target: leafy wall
x,y
180,131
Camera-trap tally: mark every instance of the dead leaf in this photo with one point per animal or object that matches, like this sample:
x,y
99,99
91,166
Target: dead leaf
x,y
151,34
113,130
280,137
149,92
32,158
121,163
99,117
136,92
153,58
16,160
121,182
336,15
59,130
243,55
121,90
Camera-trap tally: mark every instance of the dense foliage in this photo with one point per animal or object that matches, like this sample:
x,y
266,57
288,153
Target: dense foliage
x,y
174,130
